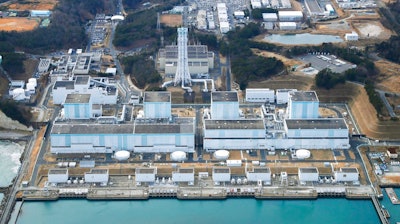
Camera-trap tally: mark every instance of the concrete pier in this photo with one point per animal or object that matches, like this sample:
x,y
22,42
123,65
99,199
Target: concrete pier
x,y
393,196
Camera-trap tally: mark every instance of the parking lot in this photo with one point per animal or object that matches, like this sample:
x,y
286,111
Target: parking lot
x,y
321,61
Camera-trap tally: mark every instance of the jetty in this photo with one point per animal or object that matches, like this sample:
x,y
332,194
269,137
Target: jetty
x,y
393,196
379,210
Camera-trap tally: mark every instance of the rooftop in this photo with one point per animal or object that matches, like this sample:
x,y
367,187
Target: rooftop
x,y
323,123
308,170
234,124
261,170
77,98
159,126
98,171
304,96
66,128
224,96
349,170
64,84
146,170
58,171
221,170
186,170
157,97
81,80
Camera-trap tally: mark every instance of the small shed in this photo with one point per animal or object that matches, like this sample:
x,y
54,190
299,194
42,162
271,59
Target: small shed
x,y
112,71
392,153
309,174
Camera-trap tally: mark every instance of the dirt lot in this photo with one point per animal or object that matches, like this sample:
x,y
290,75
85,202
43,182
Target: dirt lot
x,y
372,29
18,24
388,79
31,5
172,20
286,61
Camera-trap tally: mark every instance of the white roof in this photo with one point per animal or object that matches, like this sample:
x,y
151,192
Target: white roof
x,y
238,13
290,13
270,16
111,70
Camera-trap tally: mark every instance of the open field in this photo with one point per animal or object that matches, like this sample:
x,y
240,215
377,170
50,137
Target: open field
x,y
172,20
18,24
371,29
388,80
286,61
31,5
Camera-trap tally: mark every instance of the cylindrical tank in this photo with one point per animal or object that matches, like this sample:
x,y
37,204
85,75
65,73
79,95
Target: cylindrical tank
x,y
221,154
122,155
303,154
178,156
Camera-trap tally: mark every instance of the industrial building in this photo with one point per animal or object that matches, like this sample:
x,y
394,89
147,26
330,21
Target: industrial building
x,y
102,90
260,95
270,17
303,105
201,20
200,60
290,16
351,36
259,174
287,25
255,4
221,175
224,105
44,65
57,176
145,175
347,174
183,175
308,174
155,131
97,176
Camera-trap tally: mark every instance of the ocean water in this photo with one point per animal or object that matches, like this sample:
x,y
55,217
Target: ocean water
x,y
10,153
394,210
327,211
304,38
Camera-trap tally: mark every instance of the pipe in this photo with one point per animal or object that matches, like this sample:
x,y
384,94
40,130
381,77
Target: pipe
x,y
165,84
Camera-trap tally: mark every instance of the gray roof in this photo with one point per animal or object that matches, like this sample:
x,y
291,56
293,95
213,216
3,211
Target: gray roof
x,y
323,123
80,80
308,170
161,125
64,84
186,170
157,97
261,170
224,96
92,129
234,124
221,170
98,171
349,170
304,96
146,170
77,98
58,171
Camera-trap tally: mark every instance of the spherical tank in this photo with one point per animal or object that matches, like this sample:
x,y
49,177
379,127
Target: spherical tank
x,y
221,154
178,156
122,155
303,154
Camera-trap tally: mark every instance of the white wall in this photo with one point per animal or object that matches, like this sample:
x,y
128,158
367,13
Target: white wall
x,y
303,177
182,177
254,177
145,177
342,176
157,109
221,177
224,110
58,178
96,177
260,95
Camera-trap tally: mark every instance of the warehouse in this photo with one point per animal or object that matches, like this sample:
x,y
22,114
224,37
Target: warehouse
x,y
183,175
259,174
309,174
260,95
145,175
200,60
221,175
101,89
97,176
351,36
290,16
303,104
58,176
270,17
287,25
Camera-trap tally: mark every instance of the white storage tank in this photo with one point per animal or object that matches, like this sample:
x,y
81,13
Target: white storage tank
x,y
178,156
221,154
303,154
122,155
